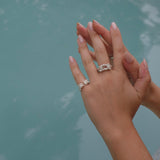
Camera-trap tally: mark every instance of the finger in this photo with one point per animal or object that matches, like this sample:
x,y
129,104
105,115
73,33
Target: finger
x,y
118,46
98,45
143,80
101,30
131,65
108,47
106,36
86,58
84,32
105,33
76,72
93,55
81,30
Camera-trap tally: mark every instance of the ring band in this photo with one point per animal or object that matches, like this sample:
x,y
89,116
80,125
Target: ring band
x,y
104,67
82,84
111,57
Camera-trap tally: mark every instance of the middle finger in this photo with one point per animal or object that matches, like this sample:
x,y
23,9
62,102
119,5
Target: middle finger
x,y
98,45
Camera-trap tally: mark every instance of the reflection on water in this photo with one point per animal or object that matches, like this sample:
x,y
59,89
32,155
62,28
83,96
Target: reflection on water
x,y
41,113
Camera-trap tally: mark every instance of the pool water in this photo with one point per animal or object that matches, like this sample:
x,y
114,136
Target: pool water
x,y
42,115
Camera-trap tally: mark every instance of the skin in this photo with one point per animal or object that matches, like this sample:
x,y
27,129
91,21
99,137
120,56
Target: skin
x,y
151,98
110,99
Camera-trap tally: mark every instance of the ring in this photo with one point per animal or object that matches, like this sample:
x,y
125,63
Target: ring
x,y
82,84
104,67
111,57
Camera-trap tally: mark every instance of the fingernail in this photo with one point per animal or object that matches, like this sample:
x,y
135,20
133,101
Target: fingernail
x,y
145,64
128,58
79,24
90,26
71,59
142,69
96,21
114,25
80,38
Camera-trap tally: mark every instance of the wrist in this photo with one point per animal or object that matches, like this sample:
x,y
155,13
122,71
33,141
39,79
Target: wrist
x,y
115,131
152,100
126,144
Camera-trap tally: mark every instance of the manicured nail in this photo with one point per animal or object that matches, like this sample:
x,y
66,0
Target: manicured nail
x,y
71,59
90,26
145,64
96,21
128,58
79,24
80,38
114,25
143,69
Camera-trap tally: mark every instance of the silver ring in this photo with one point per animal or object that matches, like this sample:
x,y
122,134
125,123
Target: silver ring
x,y
82,84
111,57
104,67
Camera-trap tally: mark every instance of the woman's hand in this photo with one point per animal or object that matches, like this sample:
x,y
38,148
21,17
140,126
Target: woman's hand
x,y
131,65
110,99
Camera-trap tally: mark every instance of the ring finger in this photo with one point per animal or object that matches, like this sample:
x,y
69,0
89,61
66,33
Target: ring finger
x,y
76,72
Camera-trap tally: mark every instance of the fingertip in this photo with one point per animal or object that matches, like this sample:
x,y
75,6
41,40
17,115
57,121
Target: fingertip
x,y
95,22
71,60
98,27
145,64
114,26
80,39
90,26
79,25
80,28
143,69
81,43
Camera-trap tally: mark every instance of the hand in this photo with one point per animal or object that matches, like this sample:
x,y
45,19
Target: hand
x,y
130,64
110,99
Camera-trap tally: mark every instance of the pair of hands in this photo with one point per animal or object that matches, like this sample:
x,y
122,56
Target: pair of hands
x,y
130,64
111,100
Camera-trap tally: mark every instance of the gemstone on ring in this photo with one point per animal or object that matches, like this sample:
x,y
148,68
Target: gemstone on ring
x,y
86,82
82,84
104,67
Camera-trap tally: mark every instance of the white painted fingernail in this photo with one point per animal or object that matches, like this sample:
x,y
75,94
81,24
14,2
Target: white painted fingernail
x,y
114,25
90,26
71,59
80,38
145,64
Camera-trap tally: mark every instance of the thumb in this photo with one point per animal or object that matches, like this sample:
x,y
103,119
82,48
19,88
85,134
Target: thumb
x,y
143,79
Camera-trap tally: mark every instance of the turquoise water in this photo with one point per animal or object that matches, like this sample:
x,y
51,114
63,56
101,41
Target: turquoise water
x,y
41,112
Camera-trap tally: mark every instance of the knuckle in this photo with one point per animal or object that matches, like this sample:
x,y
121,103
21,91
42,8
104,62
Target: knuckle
x,y
87,91
87,62
120,49
82,47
